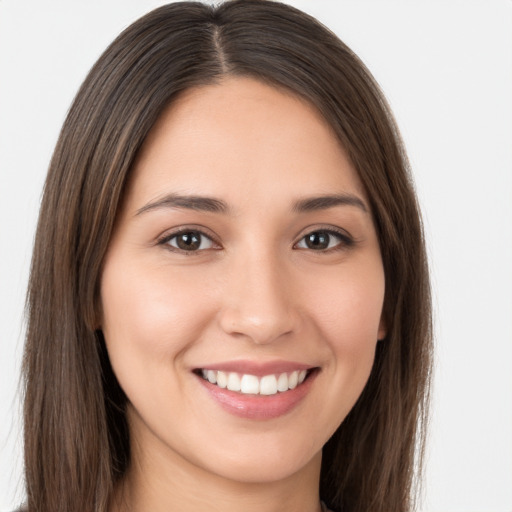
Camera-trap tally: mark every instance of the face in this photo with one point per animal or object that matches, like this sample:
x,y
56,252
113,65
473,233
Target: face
x,y
243,286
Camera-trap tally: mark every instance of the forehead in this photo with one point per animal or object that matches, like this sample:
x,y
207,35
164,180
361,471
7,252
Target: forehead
x,y
242,136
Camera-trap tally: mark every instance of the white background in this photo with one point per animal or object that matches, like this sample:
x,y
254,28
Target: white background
x,y
446,67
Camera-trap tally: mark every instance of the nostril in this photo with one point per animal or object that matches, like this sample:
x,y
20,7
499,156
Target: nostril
x,y
263,328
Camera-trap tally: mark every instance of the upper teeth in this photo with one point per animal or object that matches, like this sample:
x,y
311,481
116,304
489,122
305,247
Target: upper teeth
x,y
250,384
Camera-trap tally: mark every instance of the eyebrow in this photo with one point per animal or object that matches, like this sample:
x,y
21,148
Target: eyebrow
x,y
199,203
213,205
311,204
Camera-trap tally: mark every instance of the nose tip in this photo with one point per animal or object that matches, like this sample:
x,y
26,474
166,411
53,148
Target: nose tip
x,y
259,306
260,328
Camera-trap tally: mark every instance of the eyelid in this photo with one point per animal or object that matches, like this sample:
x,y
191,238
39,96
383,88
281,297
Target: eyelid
x,y
346,239
174,232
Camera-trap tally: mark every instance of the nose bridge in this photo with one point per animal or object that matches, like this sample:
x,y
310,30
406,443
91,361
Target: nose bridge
x,y
258,303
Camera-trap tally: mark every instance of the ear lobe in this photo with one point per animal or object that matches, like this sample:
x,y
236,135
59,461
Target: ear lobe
x,y
383,329
98,316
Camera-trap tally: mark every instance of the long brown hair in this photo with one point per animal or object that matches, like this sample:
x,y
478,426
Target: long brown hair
x,y
76,437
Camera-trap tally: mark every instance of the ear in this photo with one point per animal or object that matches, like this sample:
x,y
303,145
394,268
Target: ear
x,y
98,315
383,328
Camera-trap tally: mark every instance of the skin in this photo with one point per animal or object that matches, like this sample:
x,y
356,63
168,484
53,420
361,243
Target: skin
x,y
255,292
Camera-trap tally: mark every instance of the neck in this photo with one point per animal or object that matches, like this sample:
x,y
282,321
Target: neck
x,y
161,482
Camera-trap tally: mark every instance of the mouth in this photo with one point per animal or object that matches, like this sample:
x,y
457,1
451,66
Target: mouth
x,y
248,384
257,393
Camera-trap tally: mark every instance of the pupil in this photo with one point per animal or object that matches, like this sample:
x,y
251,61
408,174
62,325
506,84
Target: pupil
x,y
189,241
318,240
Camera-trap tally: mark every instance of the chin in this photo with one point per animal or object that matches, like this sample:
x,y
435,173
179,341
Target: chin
x,y
267,468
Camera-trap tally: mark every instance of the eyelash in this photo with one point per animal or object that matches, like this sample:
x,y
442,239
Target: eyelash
x,y
184,231
345,241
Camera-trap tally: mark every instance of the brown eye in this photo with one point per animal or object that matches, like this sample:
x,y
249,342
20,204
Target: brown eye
x,y
323,240
190,241
318,241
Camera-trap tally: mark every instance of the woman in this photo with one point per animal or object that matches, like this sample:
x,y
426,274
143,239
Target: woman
x,y
229,302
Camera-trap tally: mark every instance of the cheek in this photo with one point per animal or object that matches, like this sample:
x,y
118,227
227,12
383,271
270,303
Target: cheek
x,y
347,310
149,315
349,307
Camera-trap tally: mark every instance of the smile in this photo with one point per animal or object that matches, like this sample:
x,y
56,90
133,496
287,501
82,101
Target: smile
x,y
258,391
248,384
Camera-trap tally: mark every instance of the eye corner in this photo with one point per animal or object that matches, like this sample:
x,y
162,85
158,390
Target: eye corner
x,y
194,241
325,240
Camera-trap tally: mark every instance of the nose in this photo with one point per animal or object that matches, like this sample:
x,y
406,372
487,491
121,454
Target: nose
x,y
258,301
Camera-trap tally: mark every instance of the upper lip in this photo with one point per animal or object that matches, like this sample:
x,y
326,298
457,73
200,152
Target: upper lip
x,y
257,368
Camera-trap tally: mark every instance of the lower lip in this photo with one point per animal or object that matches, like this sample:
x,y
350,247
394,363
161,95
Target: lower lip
x,y
259,407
